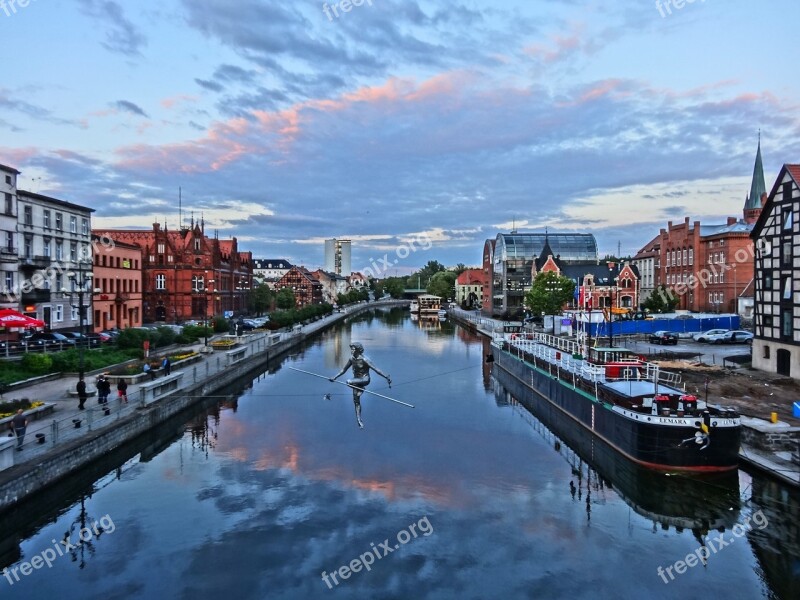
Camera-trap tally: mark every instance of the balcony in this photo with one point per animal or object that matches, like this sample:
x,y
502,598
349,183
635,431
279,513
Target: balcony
x,y
8,254
35,262
35,296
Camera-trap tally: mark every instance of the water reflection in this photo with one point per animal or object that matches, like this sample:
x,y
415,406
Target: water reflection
x,y
256,493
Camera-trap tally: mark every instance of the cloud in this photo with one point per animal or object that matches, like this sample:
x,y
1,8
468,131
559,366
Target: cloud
x,y
122,36
130,107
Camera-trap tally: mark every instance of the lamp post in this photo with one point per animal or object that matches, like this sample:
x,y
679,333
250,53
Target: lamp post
x,y
79,279
206,292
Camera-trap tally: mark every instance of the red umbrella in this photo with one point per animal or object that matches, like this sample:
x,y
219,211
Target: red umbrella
x,y
11,318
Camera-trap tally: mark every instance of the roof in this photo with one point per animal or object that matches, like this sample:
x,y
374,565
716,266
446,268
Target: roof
x,y
794,173
8,169
271,263
471,277
98,237
650,249
529,246
738,227
602,275
757,187
51,200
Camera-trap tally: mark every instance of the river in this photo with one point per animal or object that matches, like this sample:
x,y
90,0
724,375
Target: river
x,y
467,495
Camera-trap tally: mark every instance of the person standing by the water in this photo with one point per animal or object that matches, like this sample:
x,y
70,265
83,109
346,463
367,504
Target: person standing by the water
x,y
361,366
81,387
122,391
19,423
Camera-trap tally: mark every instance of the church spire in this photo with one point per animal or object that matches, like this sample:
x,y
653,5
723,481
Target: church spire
x,y
758,189
757,186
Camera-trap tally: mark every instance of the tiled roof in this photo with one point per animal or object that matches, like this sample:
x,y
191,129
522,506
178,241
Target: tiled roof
x,y
471,277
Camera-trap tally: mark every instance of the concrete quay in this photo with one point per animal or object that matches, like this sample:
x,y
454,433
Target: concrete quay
x,y
73,438
769,447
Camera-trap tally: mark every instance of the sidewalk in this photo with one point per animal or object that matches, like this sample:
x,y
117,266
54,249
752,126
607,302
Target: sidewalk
x,y
59,428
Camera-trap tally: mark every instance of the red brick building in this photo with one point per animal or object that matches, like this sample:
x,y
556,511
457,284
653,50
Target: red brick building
x,y
117,275
187,275
707,267
306,289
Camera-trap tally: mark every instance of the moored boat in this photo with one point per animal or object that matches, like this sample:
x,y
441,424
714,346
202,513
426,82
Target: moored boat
x,y
627,402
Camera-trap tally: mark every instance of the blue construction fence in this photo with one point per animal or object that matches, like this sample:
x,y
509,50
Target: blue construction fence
x,y
679,326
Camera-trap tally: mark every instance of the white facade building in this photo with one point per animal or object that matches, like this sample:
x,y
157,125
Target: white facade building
x,y
337,257
54,241
8,237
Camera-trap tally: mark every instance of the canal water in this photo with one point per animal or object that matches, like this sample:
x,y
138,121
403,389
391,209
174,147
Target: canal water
x,y
467,495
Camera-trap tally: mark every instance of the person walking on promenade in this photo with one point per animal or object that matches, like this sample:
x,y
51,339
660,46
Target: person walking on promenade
x,y
103,389
81,387
122,391
19,423
166,365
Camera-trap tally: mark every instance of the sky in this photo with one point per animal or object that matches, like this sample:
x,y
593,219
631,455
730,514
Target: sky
x,y
417,129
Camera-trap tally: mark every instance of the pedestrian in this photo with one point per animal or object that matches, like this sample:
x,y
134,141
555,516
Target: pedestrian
x,y
166,365
103,389
122,391
81,387
19,423
149,370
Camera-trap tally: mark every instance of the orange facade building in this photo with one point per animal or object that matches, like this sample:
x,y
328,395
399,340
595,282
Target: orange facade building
x,y
117,282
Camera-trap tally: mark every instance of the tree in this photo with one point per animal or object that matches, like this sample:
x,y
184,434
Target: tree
x,y
261,299
285,299
662,300
549,293
460,268
395,286
443,284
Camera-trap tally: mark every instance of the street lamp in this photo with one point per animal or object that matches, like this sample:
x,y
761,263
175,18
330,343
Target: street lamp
x,y
206,292
80,278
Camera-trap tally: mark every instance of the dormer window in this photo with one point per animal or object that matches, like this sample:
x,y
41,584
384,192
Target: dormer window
x,y
197,244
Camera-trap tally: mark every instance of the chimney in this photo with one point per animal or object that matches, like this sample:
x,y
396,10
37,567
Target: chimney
x,y
731,220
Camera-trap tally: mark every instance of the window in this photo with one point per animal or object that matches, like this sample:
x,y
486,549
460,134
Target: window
x,y
668,262
46,219
685,256
10,242
9,204
28,211
85,226
28,252
716,278
691,256
59,282
721,243
9,281
73,224
197,244
59,250
161,249
767,281
722,257
59,313
786,323
73,251
46,247
679,258
198,283
787,288
161,281
766,351
8,179
74,314
59,222
722,277
768,321
786,219
786,253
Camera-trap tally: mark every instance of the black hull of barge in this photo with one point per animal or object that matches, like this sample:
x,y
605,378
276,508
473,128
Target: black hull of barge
x,y
650,445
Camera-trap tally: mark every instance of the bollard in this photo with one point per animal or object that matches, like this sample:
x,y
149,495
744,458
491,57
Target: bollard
x,y
774,417
40,438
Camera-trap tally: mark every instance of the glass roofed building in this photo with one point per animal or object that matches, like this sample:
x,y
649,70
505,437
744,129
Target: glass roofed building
x,y
508,265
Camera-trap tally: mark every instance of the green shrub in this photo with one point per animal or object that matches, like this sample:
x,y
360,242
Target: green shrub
x,y
221,325
133,338
37,363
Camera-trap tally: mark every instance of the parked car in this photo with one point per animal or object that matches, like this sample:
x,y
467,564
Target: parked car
x,y
90,340
50,339
733,337
663,338
705,335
